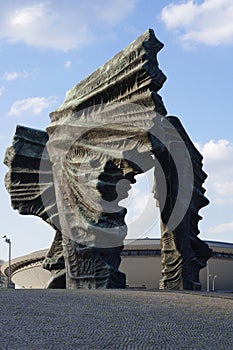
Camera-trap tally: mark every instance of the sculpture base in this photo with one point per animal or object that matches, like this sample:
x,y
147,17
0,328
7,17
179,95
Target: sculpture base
x,y
114,280
170,285
93,268
57,280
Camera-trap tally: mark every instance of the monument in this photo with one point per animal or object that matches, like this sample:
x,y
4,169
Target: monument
x,y
111,127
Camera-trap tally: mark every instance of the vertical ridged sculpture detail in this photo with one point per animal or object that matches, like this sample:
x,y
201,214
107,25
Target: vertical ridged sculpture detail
x,y
31,188
111,127
183,253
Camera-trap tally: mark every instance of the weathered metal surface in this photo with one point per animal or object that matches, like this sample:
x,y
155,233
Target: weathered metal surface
x,y
111,127
30,184
131,76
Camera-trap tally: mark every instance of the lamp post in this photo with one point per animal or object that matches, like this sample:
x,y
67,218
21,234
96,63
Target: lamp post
x,y
208,277
7,240
213,286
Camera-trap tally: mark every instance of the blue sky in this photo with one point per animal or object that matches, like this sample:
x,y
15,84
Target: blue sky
x,y
46,47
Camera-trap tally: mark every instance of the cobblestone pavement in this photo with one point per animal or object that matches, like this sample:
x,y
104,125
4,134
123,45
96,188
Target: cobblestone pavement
x,y
114,319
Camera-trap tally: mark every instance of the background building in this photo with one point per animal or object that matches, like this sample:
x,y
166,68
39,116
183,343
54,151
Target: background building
x,y
141,262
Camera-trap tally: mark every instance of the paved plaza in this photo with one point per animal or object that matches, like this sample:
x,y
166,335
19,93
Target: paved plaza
x,y
115,319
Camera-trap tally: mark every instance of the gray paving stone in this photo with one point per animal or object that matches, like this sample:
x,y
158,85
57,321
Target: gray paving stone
x,y
115,319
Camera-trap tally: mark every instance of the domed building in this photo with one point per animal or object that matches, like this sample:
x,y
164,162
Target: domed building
x,y
141,262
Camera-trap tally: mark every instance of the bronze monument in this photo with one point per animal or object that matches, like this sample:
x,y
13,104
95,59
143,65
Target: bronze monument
x,y
112,126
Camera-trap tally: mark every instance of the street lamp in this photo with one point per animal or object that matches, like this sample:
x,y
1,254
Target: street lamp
x,y
214,278
208,277
7,240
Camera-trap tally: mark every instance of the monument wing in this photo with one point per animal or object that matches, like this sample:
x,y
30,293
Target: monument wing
x,y
29,180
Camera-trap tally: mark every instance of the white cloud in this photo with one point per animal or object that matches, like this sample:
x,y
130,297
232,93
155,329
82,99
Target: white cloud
x,y
67,64
218,163
44,24
209,22
216,151
9,76
34,105
222,228
1,90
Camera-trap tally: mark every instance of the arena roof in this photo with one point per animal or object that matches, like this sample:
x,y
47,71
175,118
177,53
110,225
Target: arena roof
x,y
35,258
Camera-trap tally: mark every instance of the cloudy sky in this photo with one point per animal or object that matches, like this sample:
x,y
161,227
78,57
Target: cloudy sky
x,y
46,47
